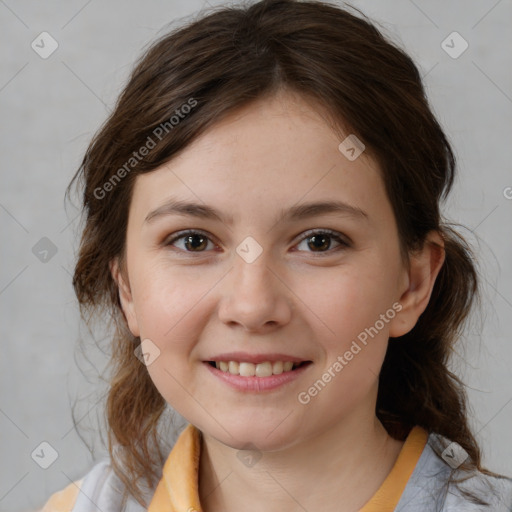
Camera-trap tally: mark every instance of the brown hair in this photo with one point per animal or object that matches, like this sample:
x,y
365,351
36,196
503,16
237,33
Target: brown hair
x,y
359,80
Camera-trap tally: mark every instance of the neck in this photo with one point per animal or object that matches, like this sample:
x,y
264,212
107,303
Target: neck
x,y
344,465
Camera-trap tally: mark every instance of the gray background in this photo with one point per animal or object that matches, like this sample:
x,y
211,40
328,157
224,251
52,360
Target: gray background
x,y
51,107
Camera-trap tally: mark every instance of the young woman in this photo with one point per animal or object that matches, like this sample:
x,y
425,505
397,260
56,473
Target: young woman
x,y
263,224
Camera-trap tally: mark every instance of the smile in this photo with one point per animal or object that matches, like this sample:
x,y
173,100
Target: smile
x,y
264,376
264,369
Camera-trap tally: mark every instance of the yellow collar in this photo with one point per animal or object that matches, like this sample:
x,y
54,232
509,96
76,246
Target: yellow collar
x,y
178,490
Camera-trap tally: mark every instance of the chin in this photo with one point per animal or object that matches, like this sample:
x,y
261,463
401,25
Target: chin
x,y
255,434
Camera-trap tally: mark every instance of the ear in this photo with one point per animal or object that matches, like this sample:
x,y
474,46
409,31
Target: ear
x,y
419,281
125,296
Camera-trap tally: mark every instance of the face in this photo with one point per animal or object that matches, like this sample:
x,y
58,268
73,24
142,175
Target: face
x,y
256,284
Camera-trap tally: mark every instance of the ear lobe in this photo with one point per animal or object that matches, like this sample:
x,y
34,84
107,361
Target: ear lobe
x,y
425,265
125,296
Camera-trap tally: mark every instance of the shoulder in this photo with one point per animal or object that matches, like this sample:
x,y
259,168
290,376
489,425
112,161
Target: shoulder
x,y
99,489
496,493
63,500
438,487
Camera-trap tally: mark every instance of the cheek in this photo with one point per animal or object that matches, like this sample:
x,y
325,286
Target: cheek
x,y
173,306
346,301
170,306
167,299
352,334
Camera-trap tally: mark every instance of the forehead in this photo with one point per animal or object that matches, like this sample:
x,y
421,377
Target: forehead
x,y
271,154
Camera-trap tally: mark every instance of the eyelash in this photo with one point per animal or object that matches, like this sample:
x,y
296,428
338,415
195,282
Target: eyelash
x,y
307,234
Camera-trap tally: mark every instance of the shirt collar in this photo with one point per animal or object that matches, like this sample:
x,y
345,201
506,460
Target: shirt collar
x,y
178,489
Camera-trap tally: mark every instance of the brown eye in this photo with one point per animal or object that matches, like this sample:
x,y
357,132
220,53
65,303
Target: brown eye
x,y
321,241
193,241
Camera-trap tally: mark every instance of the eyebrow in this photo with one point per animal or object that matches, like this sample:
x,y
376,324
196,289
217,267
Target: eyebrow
x,y
294,213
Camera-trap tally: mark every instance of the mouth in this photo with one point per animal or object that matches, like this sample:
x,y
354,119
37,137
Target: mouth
x,y
263,369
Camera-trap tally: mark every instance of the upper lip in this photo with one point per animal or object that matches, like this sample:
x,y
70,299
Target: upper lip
x,y
255,358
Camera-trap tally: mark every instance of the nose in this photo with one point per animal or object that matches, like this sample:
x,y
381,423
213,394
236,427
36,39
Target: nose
x,y
255,297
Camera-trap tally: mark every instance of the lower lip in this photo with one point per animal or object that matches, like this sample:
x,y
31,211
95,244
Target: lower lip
x,y
257,384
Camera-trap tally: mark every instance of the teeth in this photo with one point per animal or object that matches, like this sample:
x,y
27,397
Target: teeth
x,y
265,369
247,369
277,368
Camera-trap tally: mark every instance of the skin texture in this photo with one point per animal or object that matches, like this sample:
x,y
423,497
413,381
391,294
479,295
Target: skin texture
x,y
293,299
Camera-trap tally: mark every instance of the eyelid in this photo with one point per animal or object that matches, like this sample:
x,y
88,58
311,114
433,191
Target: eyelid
x,y
191,231
336,235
